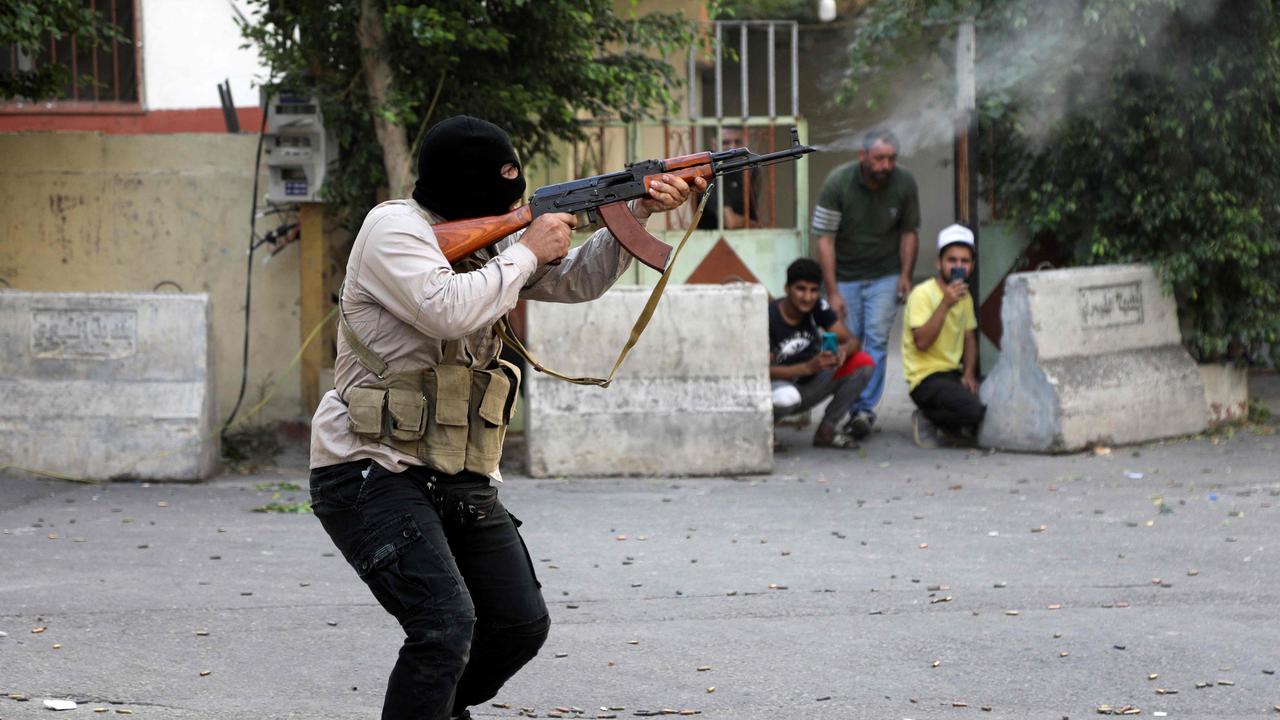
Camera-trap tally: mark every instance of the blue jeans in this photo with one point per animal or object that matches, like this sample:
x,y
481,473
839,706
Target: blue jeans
x,y
872,306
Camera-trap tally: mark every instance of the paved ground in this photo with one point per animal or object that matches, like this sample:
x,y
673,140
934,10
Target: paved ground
x,y
892,583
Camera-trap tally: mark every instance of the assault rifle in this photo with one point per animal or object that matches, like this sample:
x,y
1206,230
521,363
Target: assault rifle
x,y
604,197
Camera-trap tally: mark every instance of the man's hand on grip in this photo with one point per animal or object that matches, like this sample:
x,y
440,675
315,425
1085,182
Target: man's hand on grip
x,y
548,236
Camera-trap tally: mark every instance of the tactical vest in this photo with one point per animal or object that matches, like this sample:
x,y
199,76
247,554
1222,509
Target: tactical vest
x,y
451,417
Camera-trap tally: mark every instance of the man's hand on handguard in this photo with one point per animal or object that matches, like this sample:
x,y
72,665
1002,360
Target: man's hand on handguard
x,y
667,193
548,236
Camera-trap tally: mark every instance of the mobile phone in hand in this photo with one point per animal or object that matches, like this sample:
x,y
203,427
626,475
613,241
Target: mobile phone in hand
x,y
830,343
957,273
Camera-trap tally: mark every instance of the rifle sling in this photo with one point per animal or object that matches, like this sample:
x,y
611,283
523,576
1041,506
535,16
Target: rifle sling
x,y
504,328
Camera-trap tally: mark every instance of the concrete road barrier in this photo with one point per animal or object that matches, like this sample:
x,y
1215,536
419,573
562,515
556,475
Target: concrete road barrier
x,y
1090,356
98,386
692,398
1226,391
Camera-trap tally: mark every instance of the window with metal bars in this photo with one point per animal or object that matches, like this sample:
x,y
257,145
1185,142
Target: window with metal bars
x,y
106,78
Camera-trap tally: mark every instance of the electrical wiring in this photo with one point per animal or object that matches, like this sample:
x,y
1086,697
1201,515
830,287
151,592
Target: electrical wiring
x,y
248,275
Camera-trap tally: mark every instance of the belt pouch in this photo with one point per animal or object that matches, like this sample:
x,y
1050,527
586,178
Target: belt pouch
x,y
364,410
407,409
490,390
445,443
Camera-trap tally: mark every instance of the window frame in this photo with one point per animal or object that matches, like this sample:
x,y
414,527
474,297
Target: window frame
x,y
81,106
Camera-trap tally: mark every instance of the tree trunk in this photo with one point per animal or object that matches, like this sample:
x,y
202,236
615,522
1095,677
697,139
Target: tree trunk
x,y
390,133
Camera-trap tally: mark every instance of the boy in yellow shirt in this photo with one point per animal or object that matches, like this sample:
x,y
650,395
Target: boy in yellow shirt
x,y
940,346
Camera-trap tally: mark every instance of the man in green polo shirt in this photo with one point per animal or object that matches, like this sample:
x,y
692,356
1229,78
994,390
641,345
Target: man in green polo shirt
x,y
865,222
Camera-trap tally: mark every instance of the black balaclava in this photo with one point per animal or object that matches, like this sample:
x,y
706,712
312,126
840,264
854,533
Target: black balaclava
x,y
460,170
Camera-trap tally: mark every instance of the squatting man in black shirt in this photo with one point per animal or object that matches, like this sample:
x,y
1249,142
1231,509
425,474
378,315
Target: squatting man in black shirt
x,y
813,356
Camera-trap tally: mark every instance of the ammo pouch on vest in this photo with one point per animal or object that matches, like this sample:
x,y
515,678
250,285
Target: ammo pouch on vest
x,y
451,417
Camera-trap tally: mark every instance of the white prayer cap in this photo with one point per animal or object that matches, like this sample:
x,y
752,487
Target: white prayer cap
x,y
952,234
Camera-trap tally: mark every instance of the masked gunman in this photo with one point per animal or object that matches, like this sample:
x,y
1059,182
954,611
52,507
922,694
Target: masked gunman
x,y
405,449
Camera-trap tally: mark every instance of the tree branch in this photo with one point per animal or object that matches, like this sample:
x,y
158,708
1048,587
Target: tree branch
x,y
390,133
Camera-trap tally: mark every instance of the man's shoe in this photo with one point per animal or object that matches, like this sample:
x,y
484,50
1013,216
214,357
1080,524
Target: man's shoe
x,y
829,437
923,432
859,426
964,438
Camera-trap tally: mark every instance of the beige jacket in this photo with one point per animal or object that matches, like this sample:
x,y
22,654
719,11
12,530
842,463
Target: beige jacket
x,y
404,300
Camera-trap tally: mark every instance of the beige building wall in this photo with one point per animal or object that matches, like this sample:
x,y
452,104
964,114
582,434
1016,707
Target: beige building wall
x,y
93,212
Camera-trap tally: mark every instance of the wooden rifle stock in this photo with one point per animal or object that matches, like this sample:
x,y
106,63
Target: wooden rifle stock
x,y
460,238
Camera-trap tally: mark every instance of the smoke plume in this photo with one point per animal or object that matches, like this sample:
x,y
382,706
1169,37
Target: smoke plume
x,y
1057,63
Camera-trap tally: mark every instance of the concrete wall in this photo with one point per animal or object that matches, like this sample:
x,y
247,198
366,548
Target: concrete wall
x,y
1226,393
86,212
96,386
692,398
1091,356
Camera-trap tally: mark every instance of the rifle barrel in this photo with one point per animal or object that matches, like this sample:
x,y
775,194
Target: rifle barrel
x,y
740,163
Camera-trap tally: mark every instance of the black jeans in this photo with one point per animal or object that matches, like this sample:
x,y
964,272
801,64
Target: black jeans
x,y
444,557
947,403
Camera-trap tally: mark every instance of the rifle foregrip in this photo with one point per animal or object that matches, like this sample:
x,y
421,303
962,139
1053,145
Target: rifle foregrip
x,y
686,161
460,238
687,174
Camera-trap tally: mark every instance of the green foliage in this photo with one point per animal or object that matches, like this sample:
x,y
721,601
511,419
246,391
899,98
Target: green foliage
x,y
279,503
1136,131
1259,413
281,486
805,11
248,448
294,508
533,67
29,24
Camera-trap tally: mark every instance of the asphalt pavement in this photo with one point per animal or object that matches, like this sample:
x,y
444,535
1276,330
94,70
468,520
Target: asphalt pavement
x,y
886,583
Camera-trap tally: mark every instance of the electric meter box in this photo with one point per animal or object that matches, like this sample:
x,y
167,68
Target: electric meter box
x,y
298,149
